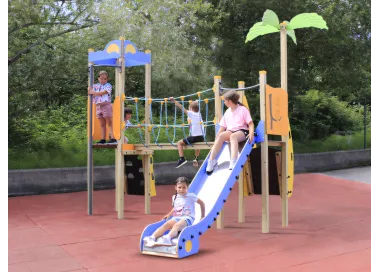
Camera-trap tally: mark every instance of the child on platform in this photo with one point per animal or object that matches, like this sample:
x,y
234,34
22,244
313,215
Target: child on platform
x,y
127,117
102,98
235,126
181,215
196,131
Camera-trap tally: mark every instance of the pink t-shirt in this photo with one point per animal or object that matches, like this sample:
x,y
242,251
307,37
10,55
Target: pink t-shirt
x,y
239,119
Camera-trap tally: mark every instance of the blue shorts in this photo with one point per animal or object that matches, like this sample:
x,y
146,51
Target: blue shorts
x,y
189,220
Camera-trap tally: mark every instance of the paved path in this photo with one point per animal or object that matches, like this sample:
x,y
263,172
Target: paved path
x,y
362,174
329,230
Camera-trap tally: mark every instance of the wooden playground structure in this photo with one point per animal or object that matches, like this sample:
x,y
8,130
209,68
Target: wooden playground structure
x,y
273,111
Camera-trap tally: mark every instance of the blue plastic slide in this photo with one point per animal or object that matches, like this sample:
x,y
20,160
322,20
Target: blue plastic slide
x,y
213,190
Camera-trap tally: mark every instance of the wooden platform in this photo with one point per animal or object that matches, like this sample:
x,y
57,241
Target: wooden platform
x,y
168,146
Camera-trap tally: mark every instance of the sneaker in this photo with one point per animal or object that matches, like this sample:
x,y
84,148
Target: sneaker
x,y
164,241
112,141
150,241
102,141
181,162
195,162
232,164
211,164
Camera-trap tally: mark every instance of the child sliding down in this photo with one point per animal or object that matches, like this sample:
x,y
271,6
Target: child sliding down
x,y
181,216
235,126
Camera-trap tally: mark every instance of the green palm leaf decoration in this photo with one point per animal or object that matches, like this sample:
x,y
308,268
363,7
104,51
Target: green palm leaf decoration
x,y
270,24
292,35
258,30
307,20
270,18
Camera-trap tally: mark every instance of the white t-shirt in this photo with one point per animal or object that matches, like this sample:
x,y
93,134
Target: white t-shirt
x,y
127,124
195,127
184,205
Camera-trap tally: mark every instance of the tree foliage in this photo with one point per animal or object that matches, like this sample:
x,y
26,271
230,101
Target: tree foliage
x,y
191,41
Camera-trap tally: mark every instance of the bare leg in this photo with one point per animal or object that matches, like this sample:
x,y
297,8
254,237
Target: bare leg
x,y
109,124
102,122
180,145
161,230
235,138
222,137
180,225
197,151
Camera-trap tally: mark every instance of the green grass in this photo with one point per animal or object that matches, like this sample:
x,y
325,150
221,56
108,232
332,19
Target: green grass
x,y
334,143
76,156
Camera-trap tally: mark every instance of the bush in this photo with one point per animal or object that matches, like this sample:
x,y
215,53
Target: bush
x,y
317,115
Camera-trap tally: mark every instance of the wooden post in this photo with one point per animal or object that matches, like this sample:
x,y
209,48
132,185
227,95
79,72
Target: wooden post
x,y
116,186
117,83
90,176
218,116
284,139
241,210
148,78
120,156
264,160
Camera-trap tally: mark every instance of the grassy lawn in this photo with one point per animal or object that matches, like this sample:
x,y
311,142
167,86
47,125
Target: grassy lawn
x,y
77,157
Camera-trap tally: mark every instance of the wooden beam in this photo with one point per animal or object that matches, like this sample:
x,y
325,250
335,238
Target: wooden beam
x,y
145,158
145,162
120,157
284,139
116,186
274,143
218,116
241,210
138,152
284,185
264,160
168,146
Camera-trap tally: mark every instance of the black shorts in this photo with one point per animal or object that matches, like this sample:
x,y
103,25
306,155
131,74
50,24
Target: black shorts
x,y
246,132
193,139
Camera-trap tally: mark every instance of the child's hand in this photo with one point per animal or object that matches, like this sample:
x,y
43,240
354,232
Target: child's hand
x,y
166,216
90,91
250,137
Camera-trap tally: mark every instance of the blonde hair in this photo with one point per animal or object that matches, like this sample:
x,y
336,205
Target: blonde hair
x,y
194,106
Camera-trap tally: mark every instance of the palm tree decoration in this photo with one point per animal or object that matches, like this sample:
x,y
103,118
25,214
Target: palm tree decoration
x,y
271,24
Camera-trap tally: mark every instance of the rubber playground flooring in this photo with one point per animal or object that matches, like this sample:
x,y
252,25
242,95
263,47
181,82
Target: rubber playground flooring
x,y
329,230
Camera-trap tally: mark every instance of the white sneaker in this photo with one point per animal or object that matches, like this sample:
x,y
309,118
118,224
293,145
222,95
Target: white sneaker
x,y
195,163
232,164
211,164
150,241
164,241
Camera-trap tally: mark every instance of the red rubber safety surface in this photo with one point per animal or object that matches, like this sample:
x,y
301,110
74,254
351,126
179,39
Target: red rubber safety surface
x,y
329,230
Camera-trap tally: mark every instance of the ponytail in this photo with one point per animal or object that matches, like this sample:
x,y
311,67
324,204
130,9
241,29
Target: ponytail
x,y
175,197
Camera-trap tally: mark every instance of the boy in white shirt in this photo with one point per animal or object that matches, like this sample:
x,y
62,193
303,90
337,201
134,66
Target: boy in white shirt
x,y
196,130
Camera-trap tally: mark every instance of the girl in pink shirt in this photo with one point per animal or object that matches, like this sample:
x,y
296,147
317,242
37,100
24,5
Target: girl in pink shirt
x,y
235,126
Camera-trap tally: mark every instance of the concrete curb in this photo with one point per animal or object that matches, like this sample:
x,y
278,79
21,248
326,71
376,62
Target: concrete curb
x,y
62,180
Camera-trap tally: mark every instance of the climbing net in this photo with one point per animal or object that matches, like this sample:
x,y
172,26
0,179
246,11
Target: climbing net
x,y
163,123
155,128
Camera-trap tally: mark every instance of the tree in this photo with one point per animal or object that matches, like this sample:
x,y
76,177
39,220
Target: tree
x,y
33,23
